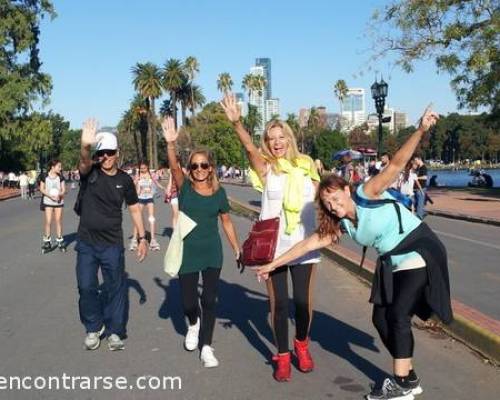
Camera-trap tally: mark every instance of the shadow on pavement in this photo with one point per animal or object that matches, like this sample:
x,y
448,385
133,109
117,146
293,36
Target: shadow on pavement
x,y
172,305
70,238
167,232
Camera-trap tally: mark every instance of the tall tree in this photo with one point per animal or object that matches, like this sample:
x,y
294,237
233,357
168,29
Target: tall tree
x,y
224,83
191,69
22,82
461,36
147,82
173,77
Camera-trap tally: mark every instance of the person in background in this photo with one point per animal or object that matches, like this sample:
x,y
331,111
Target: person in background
x,y
23,185
146,185
420,189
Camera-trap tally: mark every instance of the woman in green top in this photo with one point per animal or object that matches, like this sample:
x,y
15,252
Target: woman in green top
x,y
203,200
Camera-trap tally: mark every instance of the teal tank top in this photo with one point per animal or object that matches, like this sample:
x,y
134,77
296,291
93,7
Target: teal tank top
x,y
379,227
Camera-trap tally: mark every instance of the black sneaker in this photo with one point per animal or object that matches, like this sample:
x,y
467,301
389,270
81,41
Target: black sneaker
x,y
415,386
390,390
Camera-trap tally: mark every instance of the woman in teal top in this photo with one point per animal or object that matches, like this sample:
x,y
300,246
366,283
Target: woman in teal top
x,y
387,228
203,200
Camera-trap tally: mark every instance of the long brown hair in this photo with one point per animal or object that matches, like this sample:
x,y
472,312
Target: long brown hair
x,y
213,181
328,223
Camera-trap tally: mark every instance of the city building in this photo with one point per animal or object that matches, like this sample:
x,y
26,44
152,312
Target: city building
x,y
257,99
272,108
353,108
400,121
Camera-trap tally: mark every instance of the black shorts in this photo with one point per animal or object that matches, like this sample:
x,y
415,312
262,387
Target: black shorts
x,y
146,201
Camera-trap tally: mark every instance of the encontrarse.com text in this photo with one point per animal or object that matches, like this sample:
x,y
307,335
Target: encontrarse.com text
x,y
68,382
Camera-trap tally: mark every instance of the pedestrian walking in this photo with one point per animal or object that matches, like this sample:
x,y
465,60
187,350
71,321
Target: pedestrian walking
x,y
288,181
23,185
53,189
104,188
412,274
420,187
203,200
146,185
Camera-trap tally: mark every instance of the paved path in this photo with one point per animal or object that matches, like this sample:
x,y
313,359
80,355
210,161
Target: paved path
x,y
40,333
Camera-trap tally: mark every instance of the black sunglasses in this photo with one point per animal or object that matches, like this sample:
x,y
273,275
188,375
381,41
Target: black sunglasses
x,y
195,166
102,153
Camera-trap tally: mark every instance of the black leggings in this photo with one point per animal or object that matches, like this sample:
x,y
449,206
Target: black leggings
x,y
393,322
189,292
278,298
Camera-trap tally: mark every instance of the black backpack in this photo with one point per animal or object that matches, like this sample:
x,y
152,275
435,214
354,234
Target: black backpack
x,y
77,208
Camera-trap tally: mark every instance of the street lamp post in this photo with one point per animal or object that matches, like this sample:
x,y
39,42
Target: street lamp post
x,y
379,93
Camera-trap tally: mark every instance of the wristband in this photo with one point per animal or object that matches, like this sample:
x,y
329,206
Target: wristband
x,y
139,238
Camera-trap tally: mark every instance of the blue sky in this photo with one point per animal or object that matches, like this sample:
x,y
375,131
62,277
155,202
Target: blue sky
x,y
91,46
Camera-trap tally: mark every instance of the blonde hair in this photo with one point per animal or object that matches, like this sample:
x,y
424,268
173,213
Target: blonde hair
x,y
213,181
292,152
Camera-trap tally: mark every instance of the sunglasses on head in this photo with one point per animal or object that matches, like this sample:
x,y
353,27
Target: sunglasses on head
x,y
102,153
195,166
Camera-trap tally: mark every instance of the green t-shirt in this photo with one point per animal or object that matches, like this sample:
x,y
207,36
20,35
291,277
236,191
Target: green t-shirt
x,y
203,246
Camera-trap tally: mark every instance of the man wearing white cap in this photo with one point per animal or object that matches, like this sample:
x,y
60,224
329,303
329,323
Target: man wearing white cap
x,y
104,189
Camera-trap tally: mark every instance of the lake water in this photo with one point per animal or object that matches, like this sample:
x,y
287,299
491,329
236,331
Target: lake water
x,y
462,177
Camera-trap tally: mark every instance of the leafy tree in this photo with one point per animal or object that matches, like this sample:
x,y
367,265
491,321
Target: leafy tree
x,y
22,82
461,36
173,78
210,128
327,143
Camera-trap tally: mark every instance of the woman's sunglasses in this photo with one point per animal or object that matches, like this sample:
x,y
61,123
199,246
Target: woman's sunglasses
x,y
102,153
195,166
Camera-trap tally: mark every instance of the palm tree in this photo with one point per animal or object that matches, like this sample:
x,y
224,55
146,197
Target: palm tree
x,y
139,112
191,68
224,82
127,128
147,82
247,84
340,89
173,78
259,84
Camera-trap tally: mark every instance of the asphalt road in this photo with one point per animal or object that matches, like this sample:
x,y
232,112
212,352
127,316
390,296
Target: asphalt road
x,y
41,335
473,255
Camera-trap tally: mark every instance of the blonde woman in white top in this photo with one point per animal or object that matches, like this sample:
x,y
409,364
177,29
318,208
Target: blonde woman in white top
x,y
288,181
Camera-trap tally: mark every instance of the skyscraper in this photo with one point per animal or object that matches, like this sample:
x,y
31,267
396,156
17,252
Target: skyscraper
x,y
272,107
265,63
353,107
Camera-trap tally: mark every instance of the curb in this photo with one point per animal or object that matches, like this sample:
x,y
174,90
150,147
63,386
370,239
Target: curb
x,y
476,330
437,212
10,196
464,217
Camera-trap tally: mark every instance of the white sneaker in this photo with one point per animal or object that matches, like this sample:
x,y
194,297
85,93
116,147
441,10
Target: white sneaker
x,y
115,343
207,357
154,245
192,336
133,244
93,339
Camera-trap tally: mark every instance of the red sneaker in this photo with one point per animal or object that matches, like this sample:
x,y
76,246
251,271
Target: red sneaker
x,y
306,363
283,369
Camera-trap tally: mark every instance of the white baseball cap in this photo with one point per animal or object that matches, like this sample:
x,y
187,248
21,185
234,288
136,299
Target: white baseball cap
x,y
106,141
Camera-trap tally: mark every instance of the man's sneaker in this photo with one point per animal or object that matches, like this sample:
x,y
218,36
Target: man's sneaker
x,y
390,390
207,357
154,245
115,343
415,386
306,363
192,336
133,244
93,339
282,367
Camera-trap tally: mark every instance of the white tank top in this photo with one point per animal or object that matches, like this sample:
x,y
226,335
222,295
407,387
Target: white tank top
x,y
272,207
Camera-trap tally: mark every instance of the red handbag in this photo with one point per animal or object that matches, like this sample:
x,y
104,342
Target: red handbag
x,y
260,246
